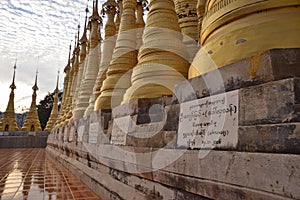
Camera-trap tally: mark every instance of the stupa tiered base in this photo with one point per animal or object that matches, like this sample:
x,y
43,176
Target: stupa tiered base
x,y
234,30
162,60
124,59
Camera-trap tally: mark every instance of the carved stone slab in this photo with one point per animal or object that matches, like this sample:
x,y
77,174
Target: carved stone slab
x,y
209,122
94,131
120,130
80,132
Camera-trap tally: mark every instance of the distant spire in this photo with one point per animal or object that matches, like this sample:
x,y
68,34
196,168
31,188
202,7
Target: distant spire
x,y
57,80
78,30
69,59
35,87
75,45
13,86
84,38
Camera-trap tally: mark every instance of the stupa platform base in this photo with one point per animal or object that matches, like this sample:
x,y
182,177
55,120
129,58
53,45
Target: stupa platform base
x,y
233,133
23,139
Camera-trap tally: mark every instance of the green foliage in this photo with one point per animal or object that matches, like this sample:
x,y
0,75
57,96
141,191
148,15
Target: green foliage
x,y
44,108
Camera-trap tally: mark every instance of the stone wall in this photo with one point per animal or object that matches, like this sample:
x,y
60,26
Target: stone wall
x,y
166,148
23,140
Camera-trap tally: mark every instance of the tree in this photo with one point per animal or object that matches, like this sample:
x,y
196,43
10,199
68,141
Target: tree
x,y
44,108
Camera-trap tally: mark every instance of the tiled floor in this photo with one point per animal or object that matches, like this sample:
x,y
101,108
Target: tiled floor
x,y
34,175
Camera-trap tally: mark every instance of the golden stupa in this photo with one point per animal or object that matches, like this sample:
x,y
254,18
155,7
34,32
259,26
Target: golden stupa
x,y
188,22
54,112
32,122
61,116
82,63
140,23
8,121
110,8
68,99
236,29
162,60
91,70
187,17
72,80
75,79
119,14
124,59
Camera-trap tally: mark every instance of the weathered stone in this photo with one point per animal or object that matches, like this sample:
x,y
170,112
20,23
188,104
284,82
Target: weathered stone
x,y
172,119
278,138
233,175
269,103
272,65
139,106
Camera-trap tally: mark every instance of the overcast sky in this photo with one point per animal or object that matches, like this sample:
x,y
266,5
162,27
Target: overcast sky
x,y
38,33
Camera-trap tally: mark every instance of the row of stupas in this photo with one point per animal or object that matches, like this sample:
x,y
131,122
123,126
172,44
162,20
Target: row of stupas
x,y
8,121
146,60
101,74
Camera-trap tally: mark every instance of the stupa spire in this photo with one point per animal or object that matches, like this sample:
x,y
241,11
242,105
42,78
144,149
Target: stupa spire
x,y
13,86
70,90
91,70
74,77
109,8
8,121
82,66
83,38
54,113
32,123
65,91
119,14
35,87
57,80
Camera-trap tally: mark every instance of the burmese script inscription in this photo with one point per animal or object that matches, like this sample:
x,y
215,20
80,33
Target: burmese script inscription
x,y
209,122
93,133
120,130
80,133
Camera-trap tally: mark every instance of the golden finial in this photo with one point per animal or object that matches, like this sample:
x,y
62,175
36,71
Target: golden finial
x,y
69,59
35,87
84,38
57,80
78,30
95,14
13,86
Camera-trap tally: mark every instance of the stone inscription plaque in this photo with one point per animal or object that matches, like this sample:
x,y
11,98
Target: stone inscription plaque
x,y
80,133
209,122
120,130
71,133
93,133
66,133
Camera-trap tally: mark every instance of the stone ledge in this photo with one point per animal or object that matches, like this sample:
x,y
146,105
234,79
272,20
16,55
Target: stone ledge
x,y
275,138
111,188
270,103
236,174
271,65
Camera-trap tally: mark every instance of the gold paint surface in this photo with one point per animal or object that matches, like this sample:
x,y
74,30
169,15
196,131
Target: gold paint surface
x,y
162,60
238,29
123,60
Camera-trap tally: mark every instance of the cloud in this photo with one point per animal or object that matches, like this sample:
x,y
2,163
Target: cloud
x,y
38,32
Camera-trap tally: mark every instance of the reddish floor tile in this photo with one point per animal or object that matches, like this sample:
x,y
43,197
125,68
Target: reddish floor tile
x,y
32,174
